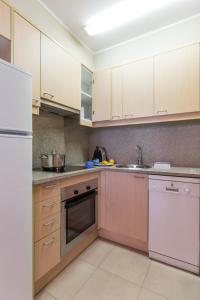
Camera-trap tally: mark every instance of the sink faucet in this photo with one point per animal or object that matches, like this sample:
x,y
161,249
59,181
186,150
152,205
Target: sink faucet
x,y
139,154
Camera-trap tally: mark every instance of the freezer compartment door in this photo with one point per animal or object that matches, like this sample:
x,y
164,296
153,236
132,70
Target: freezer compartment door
x,y
15,99
16,217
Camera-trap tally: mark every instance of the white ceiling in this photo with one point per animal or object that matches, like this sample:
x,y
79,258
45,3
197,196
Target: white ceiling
x,y
76,13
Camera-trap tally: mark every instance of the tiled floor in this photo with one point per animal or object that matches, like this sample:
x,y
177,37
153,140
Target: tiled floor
x,y
109,272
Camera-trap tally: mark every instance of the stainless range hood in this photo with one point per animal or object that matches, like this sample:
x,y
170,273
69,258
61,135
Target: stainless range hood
x,y
58,109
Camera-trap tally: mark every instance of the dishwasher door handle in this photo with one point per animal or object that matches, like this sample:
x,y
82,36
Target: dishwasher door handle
x,y
169,189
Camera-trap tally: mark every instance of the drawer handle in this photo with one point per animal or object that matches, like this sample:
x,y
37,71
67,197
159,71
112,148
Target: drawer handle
x,y
50,95
50,187
51,205
50,223
49,243
176,190
139,177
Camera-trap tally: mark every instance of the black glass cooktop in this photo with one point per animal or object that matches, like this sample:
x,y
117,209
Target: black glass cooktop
x,y
67,168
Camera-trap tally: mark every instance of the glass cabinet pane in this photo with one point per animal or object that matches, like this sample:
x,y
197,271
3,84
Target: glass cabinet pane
x,y
86,94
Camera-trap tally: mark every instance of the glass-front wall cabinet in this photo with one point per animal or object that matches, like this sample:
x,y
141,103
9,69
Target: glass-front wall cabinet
x,y
86,96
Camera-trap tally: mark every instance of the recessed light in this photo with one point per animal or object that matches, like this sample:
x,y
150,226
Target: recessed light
x,y
123,12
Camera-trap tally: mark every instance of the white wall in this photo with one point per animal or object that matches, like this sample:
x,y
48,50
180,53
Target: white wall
x,y
39,16
180,34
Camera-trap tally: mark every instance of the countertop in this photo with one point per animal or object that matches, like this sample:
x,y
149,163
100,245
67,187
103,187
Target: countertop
x,y
43,177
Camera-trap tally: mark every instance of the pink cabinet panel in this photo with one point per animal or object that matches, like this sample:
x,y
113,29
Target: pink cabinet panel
x,y
124,205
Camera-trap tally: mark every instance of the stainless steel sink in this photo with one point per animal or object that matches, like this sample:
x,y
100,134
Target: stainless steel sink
x,y
132,166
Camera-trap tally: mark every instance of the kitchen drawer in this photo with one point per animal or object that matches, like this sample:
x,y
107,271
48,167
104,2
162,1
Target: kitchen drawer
x,y
47,191
47,254
47,226
47,208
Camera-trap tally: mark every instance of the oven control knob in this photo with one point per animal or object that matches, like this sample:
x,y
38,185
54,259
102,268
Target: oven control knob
x,y
88,188
76,192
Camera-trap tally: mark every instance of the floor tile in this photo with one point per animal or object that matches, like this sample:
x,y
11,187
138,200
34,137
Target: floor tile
x,y
127,264
44,296
172,283
148,295
66,284
97,252
107,286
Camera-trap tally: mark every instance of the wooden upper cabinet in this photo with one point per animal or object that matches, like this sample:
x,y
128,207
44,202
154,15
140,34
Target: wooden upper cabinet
x,y
117,101
5,20
60,75
177,81
102,95
138,89
27,52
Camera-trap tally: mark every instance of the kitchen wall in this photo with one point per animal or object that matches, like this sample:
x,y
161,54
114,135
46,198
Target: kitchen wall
x,y
63,134
43,19
178,143
176,35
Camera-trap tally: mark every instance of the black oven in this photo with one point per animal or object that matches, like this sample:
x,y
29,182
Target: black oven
x,y
78,213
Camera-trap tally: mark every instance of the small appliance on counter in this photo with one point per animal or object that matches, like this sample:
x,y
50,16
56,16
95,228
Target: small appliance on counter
x,y
53,162
100,154
162,165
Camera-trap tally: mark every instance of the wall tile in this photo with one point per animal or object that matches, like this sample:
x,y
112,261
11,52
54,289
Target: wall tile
x,y
177,142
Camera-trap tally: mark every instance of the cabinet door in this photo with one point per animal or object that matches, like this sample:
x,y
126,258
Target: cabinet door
x,y
177,81
138,89
102,95
47,254
125,209
27,52
137,227
117,107
112,210
5,20
60,75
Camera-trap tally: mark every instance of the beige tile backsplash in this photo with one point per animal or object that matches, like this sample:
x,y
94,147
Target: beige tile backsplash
x,y
177,142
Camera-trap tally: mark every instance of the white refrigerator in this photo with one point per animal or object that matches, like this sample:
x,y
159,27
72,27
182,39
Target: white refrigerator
x,y
15,183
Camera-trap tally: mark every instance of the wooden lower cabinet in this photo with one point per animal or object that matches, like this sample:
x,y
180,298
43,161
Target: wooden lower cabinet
x,y
47,226
47,254
124,209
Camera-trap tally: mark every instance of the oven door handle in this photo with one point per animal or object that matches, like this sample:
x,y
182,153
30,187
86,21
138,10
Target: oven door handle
x,y
79,199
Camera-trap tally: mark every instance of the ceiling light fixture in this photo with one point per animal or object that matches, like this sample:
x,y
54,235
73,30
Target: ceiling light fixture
x,y
122,13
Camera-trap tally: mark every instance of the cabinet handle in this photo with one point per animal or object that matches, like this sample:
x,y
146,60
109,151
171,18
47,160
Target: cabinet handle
x,y
49,205
139,177
116,117
36,102
47,187
172,189
48,224
50,95
49,243
162,111
128,115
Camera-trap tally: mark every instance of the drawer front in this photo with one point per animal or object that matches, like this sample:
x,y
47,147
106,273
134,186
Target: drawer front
x,y
47,226
47,191
47,254
47,208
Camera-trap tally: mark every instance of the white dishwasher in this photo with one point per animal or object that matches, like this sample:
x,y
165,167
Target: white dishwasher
x,y
174,227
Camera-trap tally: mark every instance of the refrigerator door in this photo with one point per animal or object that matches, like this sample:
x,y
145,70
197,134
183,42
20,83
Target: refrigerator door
x,y
15,217
15,99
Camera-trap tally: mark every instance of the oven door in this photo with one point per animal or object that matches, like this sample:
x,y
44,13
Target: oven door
x,y
78,219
